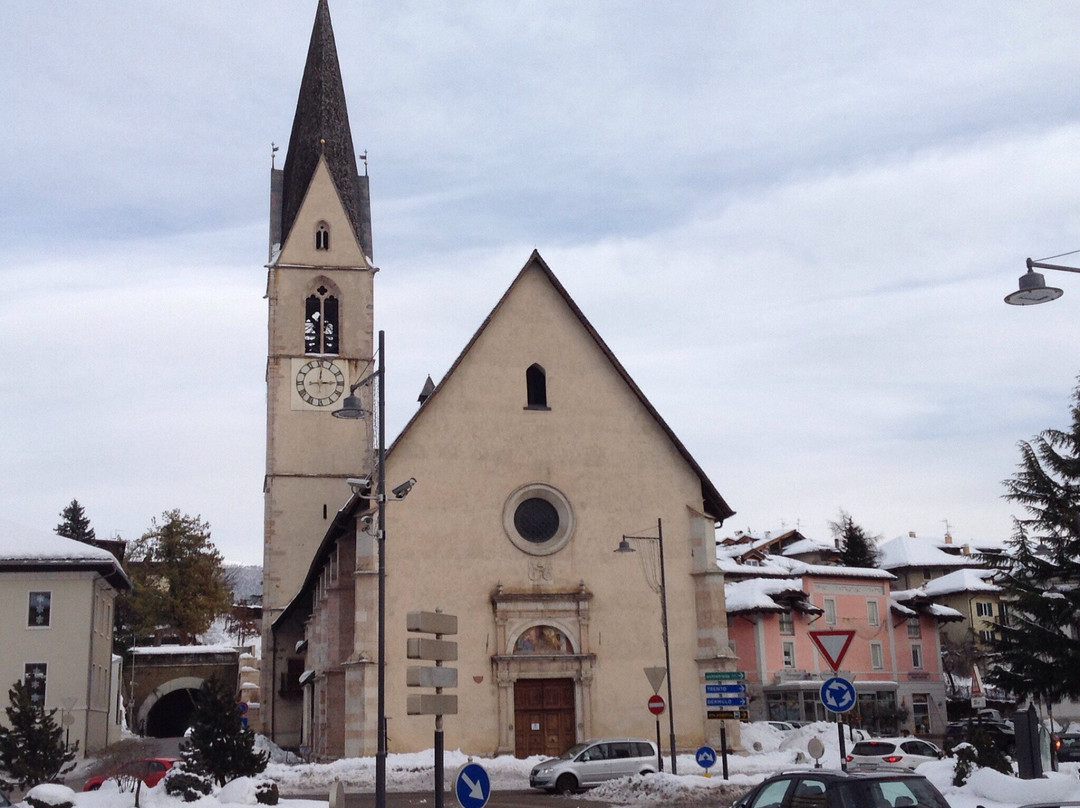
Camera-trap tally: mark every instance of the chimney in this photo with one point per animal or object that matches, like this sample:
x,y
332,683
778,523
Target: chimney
x,y
948,538
911,534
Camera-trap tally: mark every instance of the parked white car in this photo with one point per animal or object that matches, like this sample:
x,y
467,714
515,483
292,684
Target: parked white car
x,y
881,753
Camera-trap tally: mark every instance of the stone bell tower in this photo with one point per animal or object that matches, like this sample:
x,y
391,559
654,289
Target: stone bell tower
x,y
319,290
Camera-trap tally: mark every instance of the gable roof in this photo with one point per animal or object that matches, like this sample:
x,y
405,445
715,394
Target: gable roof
x,y
712,503
24,549
911,551
962,580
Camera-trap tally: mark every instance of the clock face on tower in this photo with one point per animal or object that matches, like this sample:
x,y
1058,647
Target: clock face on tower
x,y
319,382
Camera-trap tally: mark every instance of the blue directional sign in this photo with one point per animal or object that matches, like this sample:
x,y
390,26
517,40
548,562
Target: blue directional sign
x,y
706,757
472,786
733,687
837,694
725,701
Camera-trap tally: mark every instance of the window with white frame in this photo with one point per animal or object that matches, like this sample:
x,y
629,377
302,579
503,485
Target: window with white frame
x,y
877,659
914,627
916,655
787,623
35,677
39,613
987,636
984,609
829,605
789,654
872,613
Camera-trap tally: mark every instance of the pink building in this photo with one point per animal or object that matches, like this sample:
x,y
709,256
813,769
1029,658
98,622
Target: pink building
x,y
893,659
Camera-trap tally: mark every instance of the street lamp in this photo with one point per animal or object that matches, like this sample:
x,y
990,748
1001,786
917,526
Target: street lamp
x,y
1033,288
352,407
624,547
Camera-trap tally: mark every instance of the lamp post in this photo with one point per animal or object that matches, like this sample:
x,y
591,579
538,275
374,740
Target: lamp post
x,y
352,408
624,547
1033,288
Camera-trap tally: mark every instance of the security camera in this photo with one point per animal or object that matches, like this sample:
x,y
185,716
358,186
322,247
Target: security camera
x,y
401,491
359,485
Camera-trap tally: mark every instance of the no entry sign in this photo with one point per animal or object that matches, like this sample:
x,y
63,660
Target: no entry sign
x,y
656,704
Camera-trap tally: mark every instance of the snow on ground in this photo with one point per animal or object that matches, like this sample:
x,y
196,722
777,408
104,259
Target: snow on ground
x,y
765,751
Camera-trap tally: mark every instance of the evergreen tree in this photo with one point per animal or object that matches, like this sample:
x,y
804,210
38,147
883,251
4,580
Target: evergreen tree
x,y
32,748
179,580
220,745
1037,651
75,525
857,547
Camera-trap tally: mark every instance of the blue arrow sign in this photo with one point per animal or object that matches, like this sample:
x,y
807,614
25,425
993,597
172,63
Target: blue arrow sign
x,y
726,701
706,757
472,786
837,694
734,687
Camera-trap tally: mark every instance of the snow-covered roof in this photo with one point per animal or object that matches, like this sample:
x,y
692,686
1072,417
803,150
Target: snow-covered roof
x,y
808,546
899,599
757,594
962,580
24,547
166,650
912,551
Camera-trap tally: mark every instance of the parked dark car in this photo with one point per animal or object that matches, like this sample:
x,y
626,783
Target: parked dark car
x,y
1000,732
820,788
1068,747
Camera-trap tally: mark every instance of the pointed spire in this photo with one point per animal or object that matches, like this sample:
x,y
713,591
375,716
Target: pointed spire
x,y
321,126
429,388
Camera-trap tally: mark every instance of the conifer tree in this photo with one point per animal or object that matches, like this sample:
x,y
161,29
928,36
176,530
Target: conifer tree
x,y
220,745
179,579
1036,652
857,547
32,748
75,525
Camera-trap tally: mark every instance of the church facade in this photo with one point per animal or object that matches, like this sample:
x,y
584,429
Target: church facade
x,y
533,457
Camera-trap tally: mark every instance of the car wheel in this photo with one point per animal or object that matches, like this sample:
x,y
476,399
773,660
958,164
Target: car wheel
x,y
566,784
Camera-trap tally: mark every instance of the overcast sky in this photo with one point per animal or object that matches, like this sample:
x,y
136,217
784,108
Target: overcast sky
x,y
794,224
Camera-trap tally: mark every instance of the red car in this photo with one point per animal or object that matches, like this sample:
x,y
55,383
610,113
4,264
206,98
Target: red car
x,y
149,770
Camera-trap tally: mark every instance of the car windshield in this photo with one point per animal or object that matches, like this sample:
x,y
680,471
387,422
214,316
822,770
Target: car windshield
x,y
573,751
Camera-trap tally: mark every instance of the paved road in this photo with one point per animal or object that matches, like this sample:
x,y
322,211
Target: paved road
x,y
498,799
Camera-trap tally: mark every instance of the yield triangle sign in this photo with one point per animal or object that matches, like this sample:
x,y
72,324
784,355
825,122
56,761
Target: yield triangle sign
x,y
656,677
833,645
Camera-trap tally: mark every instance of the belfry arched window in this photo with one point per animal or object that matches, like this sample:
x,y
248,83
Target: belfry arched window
x,y
321,322
536,388
322,236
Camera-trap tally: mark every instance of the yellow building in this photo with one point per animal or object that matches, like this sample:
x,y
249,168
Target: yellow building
x,y
534,456
56,627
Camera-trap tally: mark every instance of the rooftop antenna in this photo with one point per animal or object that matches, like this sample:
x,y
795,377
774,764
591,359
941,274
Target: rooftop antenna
x,y
273,153
363,159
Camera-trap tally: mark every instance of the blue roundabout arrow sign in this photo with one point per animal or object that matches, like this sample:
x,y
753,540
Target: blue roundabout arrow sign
x,y
837,694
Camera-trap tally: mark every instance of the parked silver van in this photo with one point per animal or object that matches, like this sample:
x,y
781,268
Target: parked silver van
x,y
588,764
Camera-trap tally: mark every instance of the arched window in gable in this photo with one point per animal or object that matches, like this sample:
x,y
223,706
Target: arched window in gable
x,y
322,236
321,322
543,640
536,388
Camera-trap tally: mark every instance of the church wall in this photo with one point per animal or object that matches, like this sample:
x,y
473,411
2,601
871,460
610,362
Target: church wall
x,y
447,547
